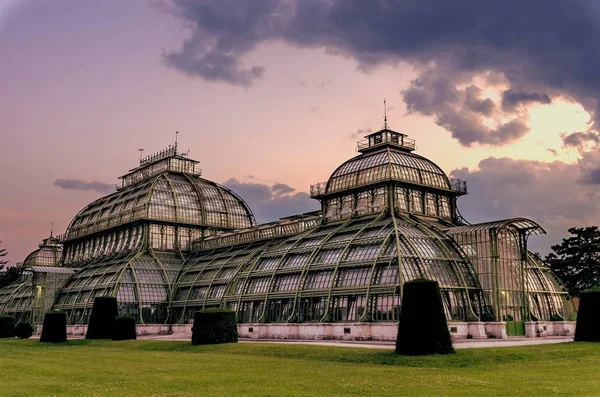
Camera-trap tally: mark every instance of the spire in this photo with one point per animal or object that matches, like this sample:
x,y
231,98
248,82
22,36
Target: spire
x,y
51,229
176,132
385,124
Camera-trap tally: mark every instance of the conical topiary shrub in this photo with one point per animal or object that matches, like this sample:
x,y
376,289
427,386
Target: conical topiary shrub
x,y
7,326
124,328
213,326
54,328
102,318
23,330
423,328
587,328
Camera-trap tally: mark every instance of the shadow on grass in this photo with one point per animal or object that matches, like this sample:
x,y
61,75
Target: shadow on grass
x,y
462,358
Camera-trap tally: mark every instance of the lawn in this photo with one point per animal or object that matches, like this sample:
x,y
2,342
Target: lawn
x,y
170,368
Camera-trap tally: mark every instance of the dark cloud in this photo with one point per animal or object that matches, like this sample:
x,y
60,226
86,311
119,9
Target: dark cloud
x,y
463,112
579,139
77,184
282,188
549,193
511,99
547,47
270,203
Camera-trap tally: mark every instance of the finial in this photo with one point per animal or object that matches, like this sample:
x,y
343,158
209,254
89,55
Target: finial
x,y
141,151
51,229
385,124
176,132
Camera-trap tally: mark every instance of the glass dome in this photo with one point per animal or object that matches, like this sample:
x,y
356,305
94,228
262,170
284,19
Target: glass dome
x,y
387,163
48,254
181,198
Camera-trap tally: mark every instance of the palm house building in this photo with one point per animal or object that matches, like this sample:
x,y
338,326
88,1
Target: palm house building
x,y
169,242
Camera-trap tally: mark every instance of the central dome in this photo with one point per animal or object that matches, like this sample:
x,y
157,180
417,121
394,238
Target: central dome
x,y
387,163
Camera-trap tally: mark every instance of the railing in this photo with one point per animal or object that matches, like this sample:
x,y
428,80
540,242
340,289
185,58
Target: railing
x,y
458,185
256,233
400,141
105,223
318,189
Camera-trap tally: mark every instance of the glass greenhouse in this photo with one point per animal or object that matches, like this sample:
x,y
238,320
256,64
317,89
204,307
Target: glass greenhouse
x,y
168,242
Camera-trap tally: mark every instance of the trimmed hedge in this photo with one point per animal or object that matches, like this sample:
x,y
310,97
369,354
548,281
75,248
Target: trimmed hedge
x,y
7,326
214,326
55,327
587,328
102,318
24,330
124,328
423,328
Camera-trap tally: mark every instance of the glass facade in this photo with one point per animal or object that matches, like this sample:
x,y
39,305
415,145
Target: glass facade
x,y
342,271
179,198
516,285
387,164
169,242
142,283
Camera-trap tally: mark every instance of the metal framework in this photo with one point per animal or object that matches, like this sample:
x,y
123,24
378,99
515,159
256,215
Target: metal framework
x,y
169,242
130,244
33,294
516,285
341,271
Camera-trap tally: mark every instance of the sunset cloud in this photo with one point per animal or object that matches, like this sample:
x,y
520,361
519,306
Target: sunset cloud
x,y
78,184
543,51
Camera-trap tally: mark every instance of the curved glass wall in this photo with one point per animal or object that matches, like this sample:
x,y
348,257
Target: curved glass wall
x,y
517,286
31,297
180,198
48,254
140,281
343,271
17,299
387,164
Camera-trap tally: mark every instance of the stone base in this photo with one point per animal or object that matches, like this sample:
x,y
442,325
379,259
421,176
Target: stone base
x,y
496,329
534,329
387,331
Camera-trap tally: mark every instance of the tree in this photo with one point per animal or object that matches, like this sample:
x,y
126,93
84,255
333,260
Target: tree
x,y
576,261
11,274
3,253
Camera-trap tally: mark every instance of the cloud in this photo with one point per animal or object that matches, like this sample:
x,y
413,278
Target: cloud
x,y
316,110
78,184
269,203
463,112
511,99
579,139
281,188
551,194
360,133
536,54
324,84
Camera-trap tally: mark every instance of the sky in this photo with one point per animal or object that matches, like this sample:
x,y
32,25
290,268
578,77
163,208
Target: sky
x,y
272,95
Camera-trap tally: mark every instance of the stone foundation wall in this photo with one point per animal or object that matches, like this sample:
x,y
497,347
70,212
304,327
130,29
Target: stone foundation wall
x,y
353,331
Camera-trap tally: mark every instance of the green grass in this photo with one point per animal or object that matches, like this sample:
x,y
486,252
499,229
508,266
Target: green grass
x,y
169,368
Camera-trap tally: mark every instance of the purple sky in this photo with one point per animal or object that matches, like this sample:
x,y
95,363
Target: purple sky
x,y
84,84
